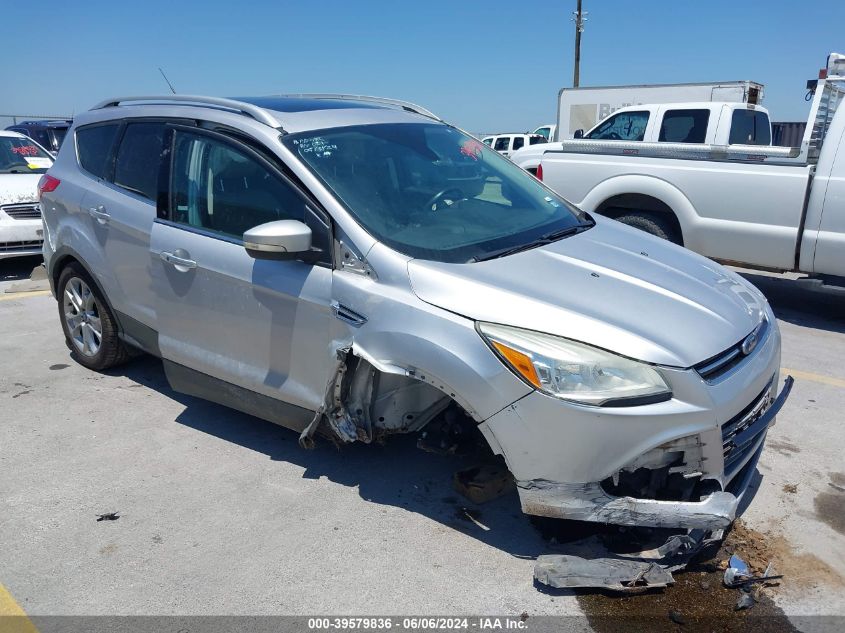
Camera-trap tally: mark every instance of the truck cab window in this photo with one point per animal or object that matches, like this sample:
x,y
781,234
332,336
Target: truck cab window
x,y
624,126
684,126
750,127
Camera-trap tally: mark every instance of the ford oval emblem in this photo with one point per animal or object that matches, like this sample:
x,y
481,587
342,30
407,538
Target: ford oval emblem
x,y
749,343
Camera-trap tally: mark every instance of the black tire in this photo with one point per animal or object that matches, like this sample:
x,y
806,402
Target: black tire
x,y
82,342
654,223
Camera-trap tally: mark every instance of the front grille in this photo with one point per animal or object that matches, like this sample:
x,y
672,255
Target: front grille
x,y
22,211
721,363
734,449
17,247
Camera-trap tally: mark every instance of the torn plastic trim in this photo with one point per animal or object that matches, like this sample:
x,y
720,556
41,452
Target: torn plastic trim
x,y
366,399
626,573
589,502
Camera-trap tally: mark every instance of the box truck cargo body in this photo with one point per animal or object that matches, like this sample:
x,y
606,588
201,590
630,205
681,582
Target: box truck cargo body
x,y
582,108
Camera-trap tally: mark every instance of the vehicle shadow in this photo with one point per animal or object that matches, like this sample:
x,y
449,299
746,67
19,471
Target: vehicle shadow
x,y
396,474
798,305
19,268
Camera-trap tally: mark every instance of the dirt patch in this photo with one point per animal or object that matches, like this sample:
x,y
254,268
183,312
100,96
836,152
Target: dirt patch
x,y
800,570
59,366
782,446
698,601
830,508
837,479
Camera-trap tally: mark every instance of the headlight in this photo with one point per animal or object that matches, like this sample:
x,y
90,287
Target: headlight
x,y
575,371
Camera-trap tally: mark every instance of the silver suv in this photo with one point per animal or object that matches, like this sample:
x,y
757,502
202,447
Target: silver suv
x,y
357,267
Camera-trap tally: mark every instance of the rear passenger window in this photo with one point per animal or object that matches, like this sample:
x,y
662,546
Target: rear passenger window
x,y
221,189
750,127
684,126
518,142
137,164
94,145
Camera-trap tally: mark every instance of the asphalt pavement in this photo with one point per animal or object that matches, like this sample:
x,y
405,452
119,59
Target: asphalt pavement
x,y
222,513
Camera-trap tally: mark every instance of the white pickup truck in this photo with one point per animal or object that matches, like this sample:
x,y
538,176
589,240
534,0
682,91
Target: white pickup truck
x,y
746,203
715,123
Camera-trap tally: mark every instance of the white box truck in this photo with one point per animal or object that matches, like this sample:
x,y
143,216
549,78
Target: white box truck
x,y
582,108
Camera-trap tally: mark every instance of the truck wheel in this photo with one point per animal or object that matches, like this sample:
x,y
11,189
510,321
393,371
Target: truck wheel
x,y
89,326
653,223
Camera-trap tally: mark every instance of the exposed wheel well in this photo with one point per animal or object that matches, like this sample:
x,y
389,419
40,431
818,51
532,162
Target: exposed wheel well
x,y
623,204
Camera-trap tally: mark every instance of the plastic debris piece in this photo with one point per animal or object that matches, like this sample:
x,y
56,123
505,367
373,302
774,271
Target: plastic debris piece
x,y
738,574
108,516
573,572
746,601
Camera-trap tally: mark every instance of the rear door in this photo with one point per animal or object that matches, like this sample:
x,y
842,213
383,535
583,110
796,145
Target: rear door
x,y
261,325
122,207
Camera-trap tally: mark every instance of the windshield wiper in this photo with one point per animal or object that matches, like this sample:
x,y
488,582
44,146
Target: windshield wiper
x,y
548,238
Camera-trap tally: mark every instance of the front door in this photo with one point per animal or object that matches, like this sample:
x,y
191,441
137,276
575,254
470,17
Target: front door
x,y
260,325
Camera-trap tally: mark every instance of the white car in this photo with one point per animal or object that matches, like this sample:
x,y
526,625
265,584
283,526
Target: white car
x,y
22,162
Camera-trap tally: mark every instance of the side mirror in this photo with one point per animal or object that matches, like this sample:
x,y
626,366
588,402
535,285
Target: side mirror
x,y
579,133
282,239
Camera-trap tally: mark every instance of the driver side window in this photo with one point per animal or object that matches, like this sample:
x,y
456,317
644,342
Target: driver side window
x,y
218,188
625,126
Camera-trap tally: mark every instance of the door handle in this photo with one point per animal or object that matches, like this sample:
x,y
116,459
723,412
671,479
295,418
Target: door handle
x,y
180,263
99,214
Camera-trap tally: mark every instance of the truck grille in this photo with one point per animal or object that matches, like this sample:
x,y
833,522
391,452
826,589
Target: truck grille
x,y
716,366
22,211
19,247
736,447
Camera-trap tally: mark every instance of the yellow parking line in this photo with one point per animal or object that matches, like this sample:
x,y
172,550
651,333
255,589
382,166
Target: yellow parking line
x,y
13,619
806,375
23,295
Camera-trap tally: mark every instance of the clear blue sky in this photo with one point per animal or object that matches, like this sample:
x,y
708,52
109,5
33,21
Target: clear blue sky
x,y
484,65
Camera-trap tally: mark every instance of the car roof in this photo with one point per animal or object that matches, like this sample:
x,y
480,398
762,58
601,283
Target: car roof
x,y
12,133
293,113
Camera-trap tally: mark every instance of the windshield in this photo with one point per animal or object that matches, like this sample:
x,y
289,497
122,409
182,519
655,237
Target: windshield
x,y
432,192
22,156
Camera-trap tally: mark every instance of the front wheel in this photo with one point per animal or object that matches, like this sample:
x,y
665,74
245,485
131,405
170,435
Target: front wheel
x,y
90,328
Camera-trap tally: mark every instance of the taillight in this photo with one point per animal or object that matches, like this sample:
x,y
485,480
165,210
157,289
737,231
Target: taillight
x,y
47,184
539,173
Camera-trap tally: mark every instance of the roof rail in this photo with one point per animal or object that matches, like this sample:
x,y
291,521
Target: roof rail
x,y
405,105
247,109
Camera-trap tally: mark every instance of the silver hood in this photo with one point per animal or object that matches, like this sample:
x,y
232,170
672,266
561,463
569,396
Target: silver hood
x,y
612,287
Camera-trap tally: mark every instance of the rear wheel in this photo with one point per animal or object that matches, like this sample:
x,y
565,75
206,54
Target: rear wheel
x,y
654,223
89,326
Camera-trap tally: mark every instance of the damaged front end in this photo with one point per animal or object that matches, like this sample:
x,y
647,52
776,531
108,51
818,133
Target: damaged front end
x,y
668,486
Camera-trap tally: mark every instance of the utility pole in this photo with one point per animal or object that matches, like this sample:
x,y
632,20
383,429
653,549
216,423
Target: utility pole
x,y
579,19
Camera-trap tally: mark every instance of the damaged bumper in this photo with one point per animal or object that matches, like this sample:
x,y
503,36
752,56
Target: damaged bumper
x,y
682,463
590,502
